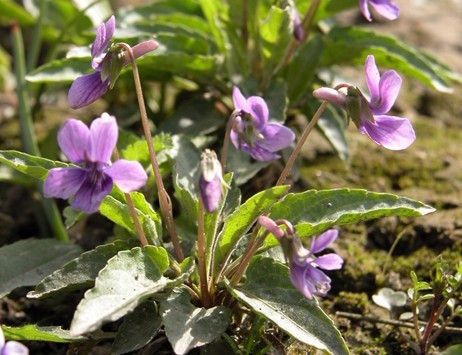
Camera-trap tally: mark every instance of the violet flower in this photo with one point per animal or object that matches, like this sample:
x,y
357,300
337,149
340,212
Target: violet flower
x,y
369,116
210,181
299,33
91,148
304,267
386,8
253,133
107,66
11,347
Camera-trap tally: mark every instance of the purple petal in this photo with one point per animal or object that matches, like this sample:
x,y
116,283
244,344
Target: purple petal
x,y
210,193
386,8
333,96
299,33
363,7
276,137
94,189
271,226
320,243
74,140
394,133
86,89
104,34
258,110
259,153
240,102
14,348
143,48
297,277
389,86
128,175
329,261
316,281
372,78
63,182
103,135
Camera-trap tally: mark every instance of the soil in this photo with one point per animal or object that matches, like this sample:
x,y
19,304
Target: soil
x,y
429,171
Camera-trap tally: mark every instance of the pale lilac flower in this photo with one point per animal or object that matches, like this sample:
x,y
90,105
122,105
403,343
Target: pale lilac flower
x,y
253,133
210,181
11,347
89,87
369,116
304,267
386,8
91,149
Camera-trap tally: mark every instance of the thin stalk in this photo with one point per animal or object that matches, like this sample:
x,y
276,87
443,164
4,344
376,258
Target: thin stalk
x,y
164,199
36,41
229,128
27,129
201,250
131,208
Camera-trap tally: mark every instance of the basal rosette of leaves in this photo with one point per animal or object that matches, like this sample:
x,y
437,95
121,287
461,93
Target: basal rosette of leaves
x,y
211,287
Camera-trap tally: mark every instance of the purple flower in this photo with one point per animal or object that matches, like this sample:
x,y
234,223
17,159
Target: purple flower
x,y
210,181
369,116
11,347
299,33
386,8
253,133
304,266
89,87
91,148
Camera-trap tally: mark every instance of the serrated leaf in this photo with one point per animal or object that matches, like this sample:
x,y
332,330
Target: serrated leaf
x,y
269,293
38,333
238,223
316,210
137,329
80,272
126,281
187,326
26,262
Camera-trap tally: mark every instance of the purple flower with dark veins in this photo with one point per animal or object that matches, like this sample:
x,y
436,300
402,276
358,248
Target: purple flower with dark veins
x,y
304,267
386,8
92,180
369,116
253,133
11,347
210,181
106,66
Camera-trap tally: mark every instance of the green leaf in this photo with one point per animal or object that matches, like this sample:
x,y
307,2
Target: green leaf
x,y
60,71
137,329
239,223
327,8
351,46
187,326
453,350
316,210
30,165
11,11
79,273
128,279
38,333
269,293
26,262
332,126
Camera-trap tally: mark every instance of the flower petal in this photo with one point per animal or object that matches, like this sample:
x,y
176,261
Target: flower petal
x,y
259,153
86,89
363,7
74,140
276,137
317,281
330,261
92,192
259,111
271,226
103,134
333,96
240,102
372,78
321,243
210,193
394,133
389,86
128,175
297,277
63,182
14,348
104,34
386,8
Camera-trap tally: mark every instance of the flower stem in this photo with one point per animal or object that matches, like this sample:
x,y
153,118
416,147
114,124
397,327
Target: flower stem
x,y
201,249
36,41
131,208
164,199
306,133
229,127
27,129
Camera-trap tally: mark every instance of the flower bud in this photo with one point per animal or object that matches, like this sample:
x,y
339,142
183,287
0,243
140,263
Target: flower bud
x,y
210,180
